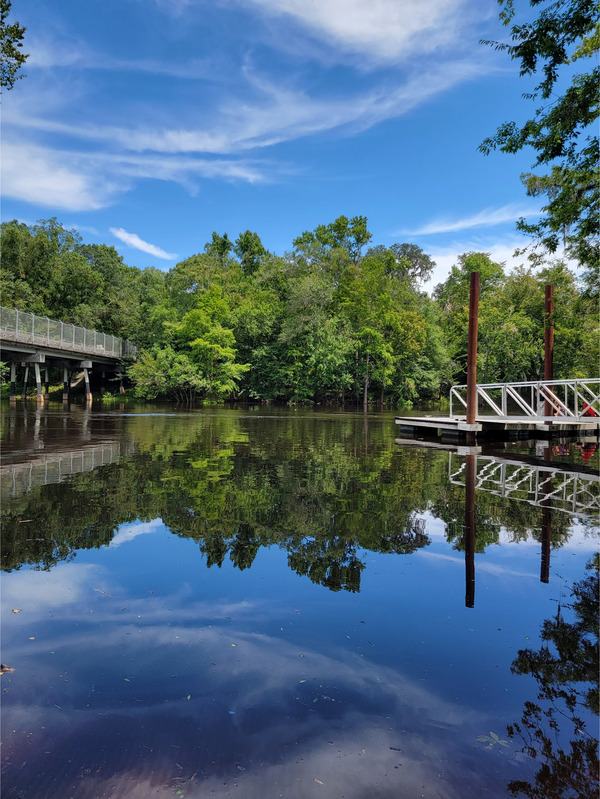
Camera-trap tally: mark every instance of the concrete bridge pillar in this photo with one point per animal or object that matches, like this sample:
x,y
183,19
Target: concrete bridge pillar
x,y
46,382
25,381
66,381
88,391
38,382
13,381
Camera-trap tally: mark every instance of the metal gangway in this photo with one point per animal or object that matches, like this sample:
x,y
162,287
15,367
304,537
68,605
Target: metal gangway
x,y
55,467
39,331
551,486
535,401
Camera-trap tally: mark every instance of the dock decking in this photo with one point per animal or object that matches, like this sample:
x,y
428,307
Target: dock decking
x,y
498,426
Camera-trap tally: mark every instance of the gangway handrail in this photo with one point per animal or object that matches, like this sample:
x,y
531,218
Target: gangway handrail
x,y
28,328
580,400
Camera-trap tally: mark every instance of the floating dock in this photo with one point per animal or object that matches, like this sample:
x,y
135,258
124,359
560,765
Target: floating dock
x,y
456,428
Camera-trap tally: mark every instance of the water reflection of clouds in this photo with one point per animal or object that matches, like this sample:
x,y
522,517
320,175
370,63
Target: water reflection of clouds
x,y
277,734
34,591
127,532
483,566
265,717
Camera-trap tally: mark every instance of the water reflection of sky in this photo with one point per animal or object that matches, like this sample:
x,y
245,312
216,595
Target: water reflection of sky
x,y
140,672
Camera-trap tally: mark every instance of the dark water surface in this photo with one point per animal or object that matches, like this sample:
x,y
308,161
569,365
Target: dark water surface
x,y
288,603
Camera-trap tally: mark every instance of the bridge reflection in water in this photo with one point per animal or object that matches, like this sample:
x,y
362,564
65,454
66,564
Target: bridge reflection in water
x,y
54,467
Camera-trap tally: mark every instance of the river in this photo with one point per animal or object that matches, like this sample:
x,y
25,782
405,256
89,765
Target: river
x,y
265,602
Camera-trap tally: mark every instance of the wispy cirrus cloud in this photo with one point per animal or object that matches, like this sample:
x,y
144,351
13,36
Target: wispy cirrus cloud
x,y
75,180
275,114
486,218
73,53
133,240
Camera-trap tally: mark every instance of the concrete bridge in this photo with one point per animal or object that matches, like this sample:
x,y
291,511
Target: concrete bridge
x,y
28,340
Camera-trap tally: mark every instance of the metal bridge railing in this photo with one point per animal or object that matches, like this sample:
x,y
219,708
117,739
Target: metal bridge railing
x,y
27,328
578,400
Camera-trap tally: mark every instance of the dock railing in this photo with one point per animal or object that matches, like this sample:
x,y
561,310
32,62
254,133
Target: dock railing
x,y
27,328
576,399
574,492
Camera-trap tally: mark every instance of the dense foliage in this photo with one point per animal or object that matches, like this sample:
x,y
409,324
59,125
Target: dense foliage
x,y
558,48
12,56
326,323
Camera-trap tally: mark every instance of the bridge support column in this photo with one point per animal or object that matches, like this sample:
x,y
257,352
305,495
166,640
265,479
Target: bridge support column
x,y
121,387
102,383
25,381
13,382
66,381
46,382
88,391
38,382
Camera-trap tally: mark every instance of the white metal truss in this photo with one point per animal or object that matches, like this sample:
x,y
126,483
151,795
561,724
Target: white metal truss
x,y
575,493
577,400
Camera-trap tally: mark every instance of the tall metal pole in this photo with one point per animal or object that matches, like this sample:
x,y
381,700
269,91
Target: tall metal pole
x,y
472,349
548,341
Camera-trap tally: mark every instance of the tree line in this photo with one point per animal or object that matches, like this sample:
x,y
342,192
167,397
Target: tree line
x,y
334,320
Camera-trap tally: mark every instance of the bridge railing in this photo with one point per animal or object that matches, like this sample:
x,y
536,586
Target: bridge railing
x,y
27,328
576,399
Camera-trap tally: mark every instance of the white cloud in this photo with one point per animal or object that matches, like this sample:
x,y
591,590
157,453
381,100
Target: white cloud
x,y
378,30
500,252
39,175
73,180
133,240
486,218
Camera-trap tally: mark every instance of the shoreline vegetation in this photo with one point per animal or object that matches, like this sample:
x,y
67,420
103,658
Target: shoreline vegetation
x,y
337,320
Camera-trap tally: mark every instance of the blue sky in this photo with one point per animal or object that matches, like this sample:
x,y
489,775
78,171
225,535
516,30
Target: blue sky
x,y
147,124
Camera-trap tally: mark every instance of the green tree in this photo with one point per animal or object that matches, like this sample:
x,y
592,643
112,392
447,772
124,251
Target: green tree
x,y
199,361
405,261
561,132
351,235
249,249
11,44
219,247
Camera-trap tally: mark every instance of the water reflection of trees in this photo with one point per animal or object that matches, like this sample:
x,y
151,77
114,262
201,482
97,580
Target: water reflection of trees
x,y
553,729
323,490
